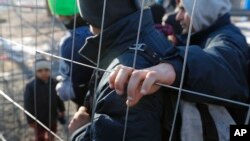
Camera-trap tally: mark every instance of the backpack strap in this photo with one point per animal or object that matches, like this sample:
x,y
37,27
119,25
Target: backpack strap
x,y
208,125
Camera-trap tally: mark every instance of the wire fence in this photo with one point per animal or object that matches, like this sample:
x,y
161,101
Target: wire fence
x,y
25,30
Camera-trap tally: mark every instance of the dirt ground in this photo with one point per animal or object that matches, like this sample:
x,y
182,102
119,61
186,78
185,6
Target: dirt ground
x,y
32,28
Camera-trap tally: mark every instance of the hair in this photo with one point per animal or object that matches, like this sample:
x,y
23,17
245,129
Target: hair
x,y
158,12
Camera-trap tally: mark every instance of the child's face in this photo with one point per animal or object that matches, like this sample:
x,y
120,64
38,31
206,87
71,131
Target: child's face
x,y
43,74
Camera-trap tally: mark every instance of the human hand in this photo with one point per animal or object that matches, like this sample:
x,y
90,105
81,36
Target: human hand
x,y
140,82
80,118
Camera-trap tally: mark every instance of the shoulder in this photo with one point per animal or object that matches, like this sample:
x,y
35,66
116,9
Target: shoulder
x,y
31,82
79,38
229,35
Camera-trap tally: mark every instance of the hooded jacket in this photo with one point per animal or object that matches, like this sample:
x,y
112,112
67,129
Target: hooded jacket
x,y
144,120
217,65
77,74
92,11
217,61
207,12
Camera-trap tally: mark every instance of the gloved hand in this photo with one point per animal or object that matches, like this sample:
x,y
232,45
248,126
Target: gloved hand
x,y
64,88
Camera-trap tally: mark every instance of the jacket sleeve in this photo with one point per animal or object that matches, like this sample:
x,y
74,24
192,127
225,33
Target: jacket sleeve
x,y
218,70
29,102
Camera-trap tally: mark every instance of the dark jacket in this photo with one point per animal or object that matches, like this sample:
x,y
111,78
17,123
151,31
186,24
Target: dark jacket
x,y
217,65
144,120
217,62
37,99
80,75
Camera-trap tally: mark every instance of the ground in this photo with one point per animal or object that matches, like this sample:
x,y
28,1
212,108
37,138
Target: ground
x,y
34,29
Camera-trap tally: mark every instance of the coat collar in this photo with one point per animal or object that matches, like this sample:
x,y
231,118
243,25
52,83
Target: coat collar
x,y
117,35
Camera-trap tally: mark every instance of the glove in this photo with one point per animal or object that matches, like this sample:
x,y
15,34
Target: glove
x,y
64,88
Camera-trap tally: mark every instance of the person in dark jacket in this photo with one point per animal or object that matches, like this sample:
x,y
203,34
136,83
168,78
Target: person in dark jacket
x,y
73,82
216,65
119,36
158,12
170,19
41,100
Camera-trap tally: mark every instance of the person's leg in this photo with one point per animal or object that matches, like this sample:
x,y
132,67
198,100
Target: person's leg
x,y
54,130
40,133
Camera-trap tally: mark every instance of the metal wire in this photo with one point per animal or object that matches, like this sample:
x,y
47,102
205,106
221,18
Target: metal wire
x,y
163,85
21,22
72,57
51,70
97,71
183,71
35,80
27,113
12,64
134,65
2,54
248,116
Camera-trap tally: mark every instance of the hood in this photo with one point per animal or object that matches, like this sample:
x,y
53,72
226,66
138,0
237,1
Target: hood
x,y
121,34
207,12
92,11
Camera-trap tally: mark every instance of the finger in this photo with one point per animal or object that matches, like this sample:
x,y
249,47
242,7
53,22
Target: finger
x,y
82,109
148,83
112,76
134,84
122,79
132,102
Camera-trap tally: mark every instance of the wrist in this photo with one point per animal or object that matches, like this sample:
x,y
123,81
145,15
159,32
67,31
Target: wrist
x,y
167,73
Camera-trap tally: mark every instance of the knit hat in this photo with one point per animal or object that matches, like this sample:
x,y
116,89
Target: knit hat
x,y
207,12
42,63
91,11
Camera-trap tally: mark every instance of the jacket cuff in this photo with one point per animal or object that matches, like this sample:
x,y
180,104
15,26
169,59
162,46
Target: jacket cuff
x,y
177,63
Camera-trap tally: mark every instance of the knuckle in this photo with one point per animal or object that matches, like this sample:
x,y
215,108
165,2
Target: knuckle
x,y
152,74
136,74
126,69
118,85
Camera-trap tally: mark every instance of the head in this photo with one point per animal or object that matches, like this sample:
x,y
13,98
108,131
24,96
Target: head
x,y
207,12
92,11
42,68
158,12
64,10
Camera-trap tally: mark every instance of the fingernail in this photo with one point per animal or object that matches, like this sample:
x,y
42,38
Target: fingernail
x,y
129,98
118,92
143,92
111,86
128,103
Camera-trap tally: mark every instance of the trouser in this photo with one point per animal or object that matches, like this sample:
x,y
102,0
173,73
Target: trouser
x,y
43,135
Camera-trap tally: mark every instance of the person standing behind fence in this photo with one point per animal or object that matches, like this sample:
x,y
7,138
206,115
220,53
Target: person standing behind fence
x,y
73,83
41,100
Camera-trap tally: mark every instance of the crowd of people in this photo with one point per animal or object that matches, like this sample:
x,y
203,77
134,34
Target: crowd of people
x,y
217,65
